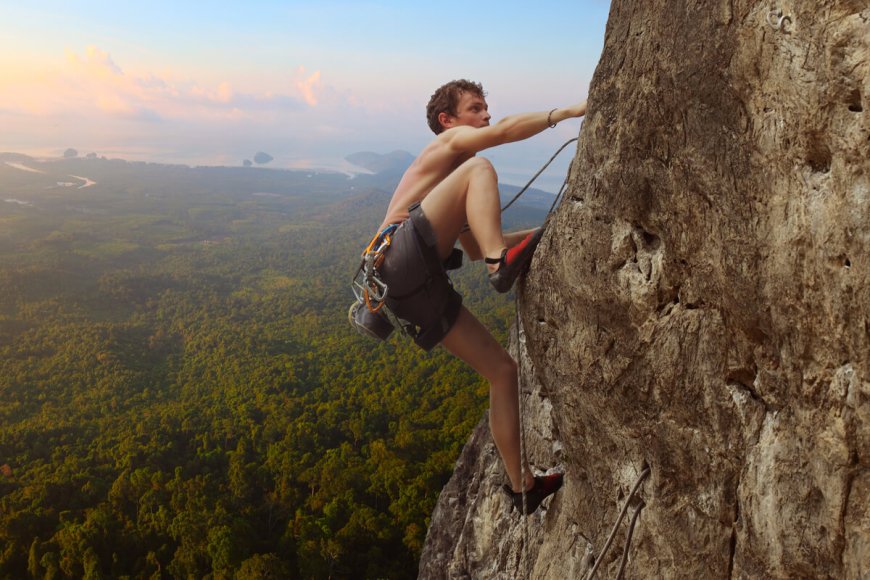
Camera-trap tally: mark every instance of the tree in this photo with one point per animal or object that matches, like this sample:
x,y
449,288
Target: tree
x,y
33,566
221,548
263,567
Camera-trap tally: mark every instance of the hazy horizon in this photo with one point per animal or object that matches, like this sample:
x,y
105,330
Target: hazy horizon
x,y
307,82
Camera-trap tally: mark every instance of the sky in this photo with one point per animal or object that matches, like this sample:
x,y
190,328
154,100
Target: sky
x,y
309,82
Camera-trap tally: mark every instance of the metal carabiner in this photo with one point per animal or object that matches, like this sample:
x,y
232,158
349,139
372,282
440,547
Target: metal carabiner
x,y
377,288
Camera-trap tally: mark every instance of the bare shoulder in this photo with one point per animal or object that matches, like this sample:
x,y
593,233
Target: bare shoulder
x,y
439,155
455,135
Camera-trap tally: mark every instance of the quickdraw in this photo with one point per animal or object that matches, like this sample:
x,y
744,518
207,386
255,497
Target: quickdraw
x,y
367,285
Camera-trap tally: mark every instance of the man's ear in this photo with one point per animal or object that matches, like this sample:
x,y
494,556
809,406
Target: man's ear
x,y
446,120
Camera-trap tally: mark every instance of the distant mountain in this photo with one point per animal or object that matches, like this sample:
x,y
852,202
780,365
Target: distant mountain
x,y
362,192
15,157
395,162
531,197
262,158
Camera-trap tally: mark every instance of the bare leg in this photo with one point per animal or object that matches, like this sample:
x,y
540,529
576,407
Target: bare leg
x,y
468,194
472,342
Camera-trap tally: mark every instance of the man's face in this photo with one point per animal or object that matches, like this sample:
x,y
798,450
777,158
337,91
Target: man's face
x,y
472,111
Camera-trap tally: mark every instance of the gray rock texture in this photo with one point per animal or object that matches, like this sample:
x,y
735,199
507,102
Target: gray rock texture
x,y
700,304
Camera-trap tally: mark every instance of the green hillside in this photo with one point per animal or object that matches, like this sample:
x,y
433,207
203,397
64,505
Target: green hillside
x,y
181,394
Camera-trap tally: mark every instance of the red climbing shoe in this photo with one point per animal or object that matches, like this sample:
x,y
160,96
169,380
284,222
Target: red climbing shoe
x,y
544,486
513,261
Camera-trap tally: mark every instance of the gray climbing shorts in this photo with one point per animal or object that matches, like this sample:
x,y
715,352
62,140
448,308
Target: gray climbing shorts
x,y
420,291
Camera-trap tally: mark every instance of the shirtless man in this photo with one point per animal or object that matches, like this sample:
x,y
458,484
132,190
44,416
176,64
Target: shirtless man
x,y
449,187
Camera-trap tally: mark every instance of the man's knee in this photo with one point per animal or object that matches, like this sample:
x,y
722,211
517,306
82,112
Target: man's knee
x,y
505,369
480,165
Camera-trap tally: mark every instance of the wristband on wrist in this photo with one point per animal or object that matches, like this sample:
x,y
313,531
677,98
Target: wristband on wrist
x,y
550,124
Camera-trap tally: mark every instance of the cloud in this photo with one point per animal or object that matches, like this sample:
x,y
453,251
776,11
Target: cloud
x,y
309,86
224,93
90,100
92,83
269,102
95,62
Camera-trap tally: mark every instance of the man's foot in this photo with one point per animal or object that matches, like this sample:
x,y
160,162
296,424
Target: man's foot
x,y
513,261
545,485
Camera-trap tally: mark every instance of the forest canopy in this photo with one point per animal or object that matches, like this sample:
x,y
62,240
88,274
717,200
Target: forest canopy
x,y
181,394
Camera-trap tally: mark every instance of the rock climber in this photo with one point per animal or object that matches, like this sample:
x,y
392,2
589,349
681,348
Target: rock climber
x,y
450,193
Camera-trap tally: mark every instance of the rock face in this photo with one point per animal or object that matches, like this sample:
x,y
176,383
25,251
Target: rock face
x,y
700,305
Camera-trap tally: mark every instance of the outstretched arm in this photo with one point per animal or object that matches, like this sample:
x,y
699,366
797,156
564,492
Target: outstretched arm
x,y
511,128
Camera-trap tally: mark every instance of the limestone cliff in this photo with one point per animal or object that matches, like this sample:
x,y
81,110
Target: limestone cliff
x,y
700,304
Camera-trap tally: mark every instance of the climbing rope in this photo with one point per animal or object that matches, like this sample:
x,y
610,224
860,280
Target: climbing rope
x,y
600,557
520,342
634,517
540,171
561,190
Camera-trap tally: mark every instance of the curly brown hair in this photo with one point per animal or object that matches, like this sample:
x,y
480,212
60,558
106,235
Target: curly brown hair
x,y
446,98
